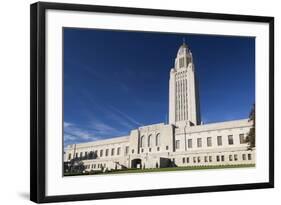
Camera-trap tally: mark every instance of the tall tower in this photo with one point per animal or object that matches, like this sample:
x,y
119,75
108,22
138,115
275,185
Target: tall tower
x,y
184,107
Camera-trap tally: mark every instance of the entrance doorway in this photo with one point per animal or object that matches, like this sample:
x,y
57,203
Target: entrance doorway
x,y
136,163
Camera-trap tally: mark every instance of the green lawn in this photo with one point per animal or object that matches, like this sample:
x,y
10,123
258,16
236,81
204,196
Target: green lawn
x,y
164,169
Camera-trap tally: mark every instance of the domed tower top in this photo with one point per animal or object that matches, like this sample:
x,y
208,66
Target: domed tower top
x,y
183,49
184,56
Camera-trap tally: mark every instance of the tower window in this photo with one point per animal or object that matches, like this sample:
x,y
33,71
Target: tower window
x,y
181,62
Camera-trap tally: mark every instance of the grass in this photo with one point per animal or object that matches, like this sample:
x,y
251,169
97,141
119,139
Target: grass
x,y
163,169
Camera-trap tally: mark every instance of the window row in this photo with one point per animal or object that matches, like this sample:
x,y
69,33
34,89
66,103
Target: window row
x,y
94,166
150,149
218,158
219,141
100,153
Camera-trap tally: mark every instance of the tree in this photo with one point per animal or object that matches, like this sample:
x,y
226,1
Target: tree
x,y
74,166
251,137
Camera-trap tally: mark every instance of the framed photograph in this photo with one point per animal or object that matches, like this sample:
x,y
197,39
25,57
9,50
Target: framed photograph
x,y
129,102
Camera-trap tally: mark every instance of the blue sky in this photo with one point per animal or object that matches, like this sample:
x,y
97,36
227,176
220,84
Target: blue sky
x,y
115,81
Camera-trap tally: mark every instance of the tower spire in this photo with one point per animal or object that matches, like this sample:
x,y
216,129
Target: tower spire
x,y
183,40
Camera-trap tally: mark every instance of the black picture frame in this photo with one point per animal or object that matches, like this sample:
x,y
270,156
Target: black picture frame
x,y
38,97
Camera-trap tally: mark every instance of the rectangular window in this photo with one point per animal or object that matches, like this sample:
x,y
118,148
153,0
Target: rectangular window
x,y
69,156
177,144
222,158
199,142
194,159
94,166
112,151
189,143
235,157
158,148
206,159
187,160
106,152
76,155
101,153
218,158
198,159
242,138
249,157
118,150
167,147
210,158
209,141
149,149
86,154
127,150
230,157
219,140
183,160
81,154
230,139
243,156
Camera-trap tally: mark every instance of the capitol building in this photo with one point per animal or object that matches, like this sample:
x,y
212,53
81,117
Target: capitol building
x,y
183,141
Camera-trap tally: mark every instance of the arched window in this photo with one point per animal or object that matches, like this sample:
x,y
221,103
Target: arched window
x,y
142,141
157,140
149,139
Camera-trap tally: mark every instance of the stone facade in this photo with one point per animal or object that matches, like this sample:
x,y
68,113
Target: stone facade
x,y
185,141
